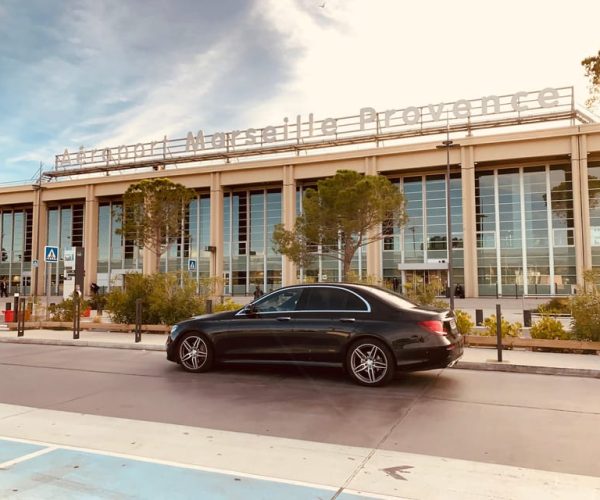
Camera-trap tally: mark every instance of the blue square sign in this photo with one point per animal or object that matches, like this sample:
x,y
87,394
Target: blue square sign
x,y
50,254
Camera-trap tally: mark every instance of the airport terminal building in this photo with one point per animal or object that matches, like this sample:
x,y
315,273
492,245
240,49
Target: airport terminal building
x,y
522,170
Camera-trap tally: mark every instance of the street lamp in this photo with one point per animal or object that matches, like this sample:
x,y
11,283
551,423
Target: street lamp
x,y
447,144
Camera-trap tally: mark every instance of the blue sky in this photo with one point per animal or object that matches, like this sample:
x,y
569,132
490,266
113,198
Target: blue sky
x,y
109,72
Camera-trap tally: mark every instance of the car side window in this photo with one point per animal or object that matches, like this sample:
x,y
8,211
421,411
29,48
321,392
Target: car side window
x,y
283,300
332,299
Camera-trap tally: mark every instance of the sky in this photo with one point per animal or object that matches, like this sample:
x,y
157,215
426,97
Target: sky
x,y
98,73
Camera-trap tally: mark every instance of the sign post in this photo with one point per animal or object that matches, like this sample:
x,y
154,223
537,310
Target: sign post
x,y
50,257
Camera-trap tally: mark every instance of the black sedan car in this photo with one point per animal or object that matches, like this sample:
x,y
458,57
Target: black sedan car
x,y
370,331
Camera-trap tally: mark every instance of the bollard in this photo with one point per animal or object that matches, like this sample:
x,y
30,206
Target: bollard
x,y
21,317
527,318
138,320
478,317
499,331
76,315
209,306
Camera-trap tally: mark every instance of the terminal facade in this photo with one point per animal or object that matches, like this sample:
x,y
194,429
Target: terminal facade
x,y
524,184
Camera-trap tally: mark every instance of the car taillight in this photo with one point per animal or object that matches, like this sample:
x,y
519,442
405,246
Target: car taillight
x,y
433,326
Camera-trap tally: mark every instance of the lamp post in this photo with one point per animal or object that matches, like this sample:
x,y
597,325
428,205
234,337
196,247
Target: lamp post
x,y
447,144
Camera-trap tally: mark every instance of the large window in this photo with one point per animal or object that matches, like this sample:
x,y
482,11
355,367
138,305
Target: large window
x,y
418,252
525,230
116,255
249,259
324,267
594,202
65,230
15,256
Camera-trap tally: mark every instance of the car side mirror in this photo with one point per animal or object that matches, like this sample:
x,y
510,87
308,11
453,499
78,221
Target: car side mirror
x,y
249,309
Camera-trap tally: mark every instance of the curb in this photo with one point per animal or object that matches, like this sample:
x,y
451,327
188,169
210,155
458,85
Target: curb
x,y
84,343
537,370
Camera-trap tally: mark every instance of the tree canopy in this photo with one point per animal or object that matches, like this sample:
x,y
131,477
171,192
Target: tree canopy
x,y
153,214
344,213
592,71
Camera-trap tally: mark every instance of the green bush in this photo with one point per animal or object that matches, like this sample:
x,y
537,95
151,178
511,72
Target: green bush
x,y
463,322
227,305
167,299
558,305
549,328
508,329
585,310
63,311
426,294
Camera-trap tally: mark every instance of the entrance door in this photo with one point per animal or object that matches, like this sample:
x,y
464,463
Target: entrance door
x,y
415,279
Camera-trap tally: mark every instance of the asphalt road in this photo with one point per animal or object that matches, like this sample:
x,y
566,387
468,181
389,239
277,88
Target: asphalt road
x,y
534,421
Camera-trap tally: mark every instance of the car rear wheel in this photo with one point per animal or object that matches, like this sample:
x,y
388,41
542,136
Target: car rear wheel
x,y
195,353
370,362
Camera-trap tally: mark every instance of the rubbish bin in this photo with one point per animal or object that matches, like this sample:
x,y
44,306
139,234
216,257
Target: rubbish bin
x,y
9,316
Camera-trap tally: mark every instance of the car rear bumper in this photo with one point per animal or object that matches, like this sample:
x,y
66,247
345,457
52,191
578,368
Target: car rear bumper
x,y
434,357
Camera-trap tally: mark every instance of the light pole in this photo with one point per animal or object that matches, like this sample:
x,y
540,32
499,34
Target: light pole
x,y
447,144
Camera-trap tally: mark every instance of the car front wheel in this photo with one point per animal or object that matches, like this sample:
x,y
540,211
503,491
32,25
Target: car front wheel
x,y
370,362
195,353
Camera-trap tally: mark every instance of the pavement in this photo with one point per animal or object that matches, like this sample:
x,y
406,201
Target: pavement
x,y
474,358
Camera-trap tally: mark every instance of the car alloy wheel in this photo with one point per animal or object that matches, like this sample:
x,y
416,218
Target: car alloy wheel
x,y
195,353
370,363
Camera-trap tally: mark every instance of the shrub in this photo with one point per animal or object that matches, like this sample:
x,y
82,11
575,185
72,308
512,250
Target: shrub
x,y
508,329
549,328
167,299
558,305
227,305
585,310
63,311
426,294
463,322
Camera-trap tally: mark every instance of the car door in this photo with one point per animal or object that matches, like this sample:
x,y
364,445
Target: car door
x,y
326,318
261,331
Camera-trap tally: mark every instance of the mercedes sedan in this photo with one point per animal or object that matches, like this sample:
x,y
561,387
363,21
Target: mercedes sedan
x,y
369,331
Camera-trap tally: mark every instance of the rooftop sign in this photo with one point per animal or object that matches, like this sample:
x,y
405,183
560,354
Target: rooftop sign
x,y
306,131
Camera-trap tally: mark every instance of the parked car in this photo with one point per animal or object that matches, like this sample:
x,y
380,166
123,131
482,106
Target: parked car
x,y
370,331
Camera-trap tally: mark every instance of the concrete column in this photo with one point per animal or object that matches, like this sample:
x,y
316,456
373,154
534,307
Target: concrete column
x,y
149,260
288,206
216,230
467,177
39,239
581,206
375,249
90,238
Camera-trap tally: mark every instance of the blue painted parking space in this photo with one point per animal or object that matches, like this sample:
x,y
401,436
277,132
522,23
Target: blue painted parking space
x,y
71,474
9,450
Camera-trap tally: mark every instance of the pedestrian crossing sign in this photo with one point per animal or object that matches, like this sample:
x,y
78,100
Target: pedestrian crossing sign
x,y
50,254
191,264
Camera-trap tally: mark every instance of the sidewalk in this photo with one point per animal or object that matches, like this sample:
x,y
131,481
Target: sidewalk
x,y
474,358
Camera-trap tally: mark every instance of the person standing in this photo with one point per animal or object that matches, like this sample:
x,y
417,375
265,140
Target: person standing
x,y
258,292
3,288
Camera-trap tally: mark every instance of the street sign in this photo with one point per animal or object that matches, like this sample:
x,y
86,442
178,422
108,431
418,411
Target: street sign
x,y
35,263
50,254
192,264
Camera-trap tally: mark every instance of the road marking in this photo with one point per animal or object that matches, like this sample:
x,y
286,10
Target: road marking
x,y
29,456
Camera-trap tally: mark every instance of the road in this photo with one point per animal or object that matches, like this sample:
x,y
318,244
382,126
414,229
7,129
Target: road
x,y
531,421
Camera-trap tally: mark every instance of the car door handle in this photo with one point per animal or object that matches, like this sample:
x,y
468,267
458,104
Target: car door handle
x,y
348,320
284,318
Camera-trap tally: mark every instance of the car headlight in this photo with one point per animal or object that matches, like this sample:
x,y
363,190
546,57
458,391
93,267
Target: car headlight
x,y
173,329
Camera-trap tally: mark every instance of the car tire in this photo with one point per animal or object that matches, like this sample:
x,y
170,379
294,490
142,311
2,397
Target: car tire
x,y
195,353
370,362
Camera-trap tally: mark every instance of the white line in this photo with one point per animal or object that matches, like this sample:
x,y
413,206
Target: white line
x,y
24,458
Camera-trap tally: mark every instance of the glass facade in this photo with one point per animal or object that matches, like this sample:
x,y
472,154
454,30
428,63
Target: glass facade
x,y
325,268
15,259
65,230
249,259
418,252
525,231
116,255
594,197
